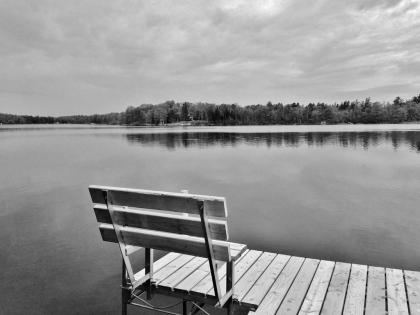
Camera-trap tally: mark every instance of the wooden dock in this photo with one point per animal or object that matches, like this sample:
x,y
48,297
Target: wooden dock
x,y
282,284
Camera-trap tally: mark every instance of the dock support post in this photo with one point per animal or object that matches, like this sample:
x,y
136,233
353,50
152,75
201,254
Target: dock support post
x,y
123,290
184,307
149,270
230,280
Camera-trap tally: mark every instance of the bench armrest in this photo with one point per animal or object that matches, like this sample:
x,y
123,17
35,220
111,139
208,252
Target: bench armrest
x,y
236,250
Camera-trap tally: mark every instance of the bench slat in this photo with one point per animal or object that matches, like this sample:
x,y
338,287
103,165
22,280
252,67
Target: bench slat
x,y
158,200
164,222
194,278
183,273
166,241
171,268
157,265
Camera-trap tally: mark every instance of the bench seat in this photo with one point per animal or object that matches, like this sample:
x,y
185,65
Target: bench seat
x,y
180,274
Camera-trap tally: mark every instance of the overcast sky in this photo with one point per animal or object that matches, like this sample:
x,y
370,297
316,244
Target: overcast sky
x,y
67,57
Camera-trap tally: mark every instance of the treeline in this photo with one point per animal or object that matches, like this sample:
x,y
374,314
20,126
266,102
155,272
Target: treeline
x,y
170,112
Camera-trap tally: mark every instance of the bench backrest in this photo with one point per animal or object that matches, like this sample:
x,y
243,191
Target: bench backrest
x,y
177,222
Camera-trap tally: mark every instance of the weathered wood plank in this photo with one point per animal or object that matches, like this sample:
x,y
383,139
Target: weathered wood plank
x,y
240,270
316,294
355,298
170,268
197,276
241,266
194,278
294,297
161,221
264,283
376,295
160,200
159,264
396,296
243,285
182,273
168,242
278,290
334,300
412,280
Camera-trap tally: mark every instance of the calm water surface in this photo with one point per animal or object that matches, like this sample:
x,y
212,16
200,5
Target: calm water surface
x,y
347,193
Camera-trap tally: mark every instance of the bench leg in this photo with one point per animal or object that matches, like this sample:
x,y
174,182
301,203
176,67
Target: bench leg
x,y
184,307
123,290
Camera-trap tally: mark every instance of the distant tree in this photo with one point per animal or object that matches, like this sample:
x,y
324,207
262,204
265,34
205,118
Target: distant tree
x,y
398,101
185,115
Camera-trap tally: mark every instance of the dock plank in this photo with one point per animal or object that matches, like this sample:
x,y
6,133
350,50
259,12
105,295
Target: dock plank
x,y
294,297
263,284
194,278
159,264
175,278
269,283
278,290
244,284
206,284
240,268
412,281
170,268
396,296
316,294
355,298
334,300
375,294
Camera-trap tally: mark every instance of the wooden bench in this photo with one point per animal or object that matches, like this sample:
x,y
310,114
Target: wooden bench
x,y
199,268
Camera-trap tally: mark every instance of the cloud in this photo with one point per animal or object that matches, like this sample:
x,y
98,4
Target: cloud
x,y
97,56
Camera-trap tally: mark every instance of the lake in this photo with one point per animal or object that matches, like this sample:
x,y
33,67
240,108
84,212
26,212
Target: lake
x,y
348,193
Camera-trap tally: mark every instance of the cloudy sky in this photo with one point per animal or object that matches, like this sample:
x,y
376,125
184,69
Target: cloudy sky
x,y
66,57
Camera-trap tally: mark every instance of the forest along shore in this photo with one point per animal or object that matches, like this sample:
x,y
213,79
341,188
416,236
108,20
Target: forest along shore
x,y
173,113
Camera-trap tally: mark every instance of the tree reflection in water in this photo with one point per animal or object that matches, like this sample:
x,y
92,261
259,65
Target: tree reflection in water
x,y
290,139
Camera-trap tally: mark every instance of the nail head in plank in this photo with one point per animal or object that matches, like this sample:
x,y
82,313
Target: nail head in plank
x,y
294,297
376,295
355,297
334,300
396,296
316,294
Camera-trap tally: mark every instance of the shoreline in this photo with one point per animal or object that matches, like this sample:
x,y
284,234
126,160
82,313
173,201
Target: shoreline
x,y
223,129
